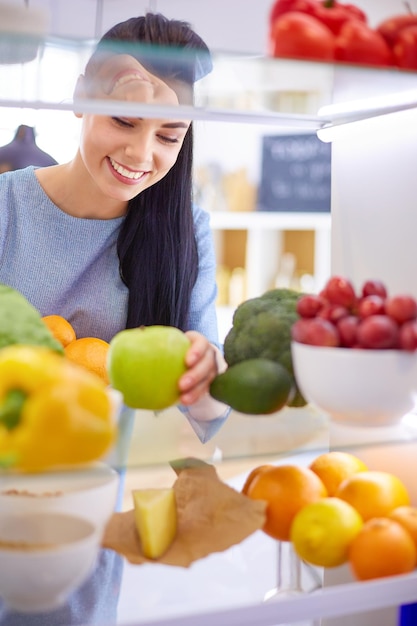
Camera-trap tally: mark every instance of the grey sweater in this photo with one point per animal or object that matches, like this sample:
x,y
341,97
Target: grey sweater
x,y
69,266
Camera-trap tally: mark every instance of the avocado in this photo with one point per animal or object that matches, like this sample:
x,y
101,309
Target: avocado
x,y
255,386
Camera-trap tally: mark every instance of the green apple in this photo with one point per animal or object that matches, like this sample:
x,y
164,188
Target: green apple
x,y
145,365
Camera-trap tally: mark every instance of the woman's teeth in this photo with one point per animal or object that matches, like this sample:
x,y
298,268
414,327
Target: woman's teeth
x,y
126,79
124,172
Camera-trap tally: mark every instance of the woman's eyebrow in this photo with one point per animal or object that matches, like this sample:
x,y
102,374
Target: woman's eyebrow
x,y
175,125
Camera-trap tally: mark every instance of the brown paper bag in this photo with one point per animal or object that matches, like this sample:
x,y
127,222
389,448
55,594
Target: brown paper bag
x,y
212,517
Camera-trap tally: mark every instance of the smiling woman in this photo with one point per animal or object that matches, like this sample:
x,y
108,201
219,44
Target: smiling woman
x,y
119,242
112,240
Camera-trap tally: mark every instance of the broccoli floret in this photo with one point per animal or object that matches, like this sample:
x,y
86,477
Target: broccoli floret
x,y
21,323
262,328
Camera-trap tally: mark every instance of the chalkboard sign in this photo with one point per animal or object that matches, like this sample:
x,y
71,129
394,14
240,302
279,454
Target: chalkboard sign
x,y
295,174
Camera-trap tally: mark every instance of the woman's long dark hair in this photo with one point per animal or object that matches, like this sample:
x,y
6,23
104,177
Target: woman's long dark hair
x,y
156,245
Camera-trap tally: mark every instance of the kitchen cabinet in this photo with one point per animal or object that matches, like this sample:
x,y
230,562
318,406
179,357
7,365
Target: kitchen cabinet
x,y
373,110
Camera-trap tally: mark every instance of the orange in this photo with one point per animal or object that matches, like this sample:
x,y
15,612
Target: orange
x,y
91,353
322,531
334,466
60,328
373,493
382,548
252,475
407,517
286,489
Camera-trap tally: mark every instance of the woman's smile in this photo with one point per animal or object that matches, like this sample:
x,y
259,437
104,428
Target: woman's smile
x,y
125,174
128,76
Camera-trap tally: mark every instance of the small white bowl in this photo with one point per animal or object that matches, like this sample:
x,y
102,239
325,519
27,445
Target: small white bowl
x,y
357,387
44,557
89,492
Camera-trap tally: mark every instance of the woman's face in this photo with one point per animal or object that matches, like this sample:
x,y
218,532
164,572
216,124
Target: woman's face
x,y
125,155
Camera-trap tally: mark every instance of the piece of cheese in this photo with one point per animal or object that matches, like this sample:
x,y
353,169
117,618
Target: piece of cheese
x,y
156,519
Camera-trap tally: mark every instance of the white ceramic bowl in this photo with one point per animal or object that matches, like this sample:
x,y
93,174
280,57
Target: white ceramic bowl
x,y
44,557
89,492
357,387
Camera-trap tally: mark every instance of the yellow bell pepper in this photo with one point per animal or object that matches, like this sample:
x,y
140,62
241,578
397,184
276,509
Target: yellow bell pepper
x,y
52,412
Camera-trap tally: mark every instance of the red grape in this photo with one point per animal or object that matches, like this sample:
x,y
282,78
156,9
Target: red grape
x,y
408,336
299,330
378,332
371,305
401,308
333,312
309,305
337,316
347,329
315,331
374,288
340,290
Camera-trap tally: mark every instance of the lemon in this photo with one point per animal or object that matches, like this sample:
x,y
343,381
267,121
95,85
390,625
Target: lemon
x,y
322,531
155,519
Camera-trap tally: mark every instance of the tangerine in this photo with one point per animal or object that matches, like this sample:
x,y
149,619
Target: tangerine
x,y
91,353
251,476
334,466
381,548
60,328
373,493
286,489
407,517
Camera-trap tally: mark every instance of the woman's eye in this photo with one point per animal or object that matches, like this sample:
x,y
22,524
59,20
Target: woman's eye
x,y
170,140
122,122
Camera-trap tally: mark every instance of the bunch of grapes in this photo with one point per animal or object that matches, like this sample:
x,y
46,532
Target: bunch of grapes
x,y
371,319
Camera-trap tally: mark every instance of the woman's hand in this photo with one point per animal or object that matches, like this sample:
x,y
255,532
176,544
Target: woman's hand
x,y
204,362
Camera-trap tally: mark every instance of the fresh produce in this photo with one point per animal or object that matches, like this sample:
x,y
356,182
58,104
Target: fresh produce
x,y
300,36
323,531
358,43
145,365
370,318
252,474
373,493
404,49
52,413
335,466
329,30
262,329
330,13
21,323
400,33
406,516
254,386
374,530
155,519
382,548
91,353
286,489
61,329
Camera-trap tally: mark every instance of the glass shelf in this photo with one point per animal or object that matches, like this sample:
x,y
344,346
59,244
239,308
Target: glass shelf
x,y
149,440
240,88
